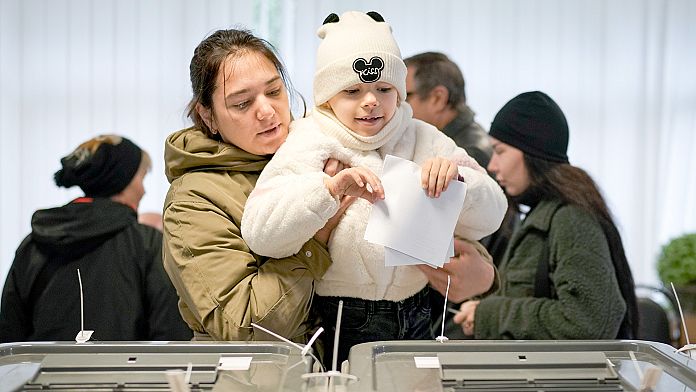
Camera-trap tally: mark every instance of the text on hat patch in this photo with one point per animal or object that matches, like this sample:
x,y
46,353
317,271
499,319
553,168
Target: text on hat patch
x,y
368,72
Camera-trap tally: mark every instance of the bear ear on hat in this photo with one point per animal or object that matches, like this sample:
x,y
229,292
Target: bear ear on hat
x,y
332,18
376,16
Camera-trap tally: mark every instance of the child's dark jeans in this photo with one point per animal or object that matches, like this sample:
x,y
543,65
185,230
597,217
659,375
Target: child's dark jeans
x,y
368,321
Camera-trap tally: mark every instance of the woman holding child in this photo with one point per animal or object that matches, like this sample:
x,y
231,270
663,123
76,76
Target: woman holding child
x,y
241,116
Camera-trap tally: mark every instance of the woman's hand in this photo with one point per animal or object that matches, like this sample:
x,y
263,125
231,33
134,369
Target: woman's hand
x,y
465,317
471,274
436,175
354,181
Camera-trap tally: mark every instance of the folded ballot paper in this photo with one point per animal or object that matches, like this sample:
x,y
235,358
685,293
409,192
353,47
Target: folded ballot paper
x,y
414,228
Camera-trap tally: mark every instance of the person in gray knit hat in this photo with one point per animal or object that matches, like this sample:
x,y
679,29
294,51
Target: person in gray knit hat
x,y
360,116
565,273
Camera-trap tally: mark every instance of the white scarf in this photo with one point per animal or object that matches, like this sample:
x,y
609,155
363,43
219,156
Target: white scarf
x,y
330,125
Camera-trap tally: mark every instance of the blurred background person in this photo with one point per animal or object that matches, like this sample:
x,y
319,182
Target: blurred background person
x,y
127,294
435,91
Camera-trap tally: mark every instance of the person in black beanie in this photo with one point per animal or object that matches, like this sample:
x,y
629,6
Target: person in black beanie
x,y
565,273
102,166
127,294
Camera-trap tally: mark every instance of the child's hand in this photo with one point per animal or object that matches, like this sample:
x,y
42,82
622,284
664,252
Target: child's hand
x,y
353,181
437,174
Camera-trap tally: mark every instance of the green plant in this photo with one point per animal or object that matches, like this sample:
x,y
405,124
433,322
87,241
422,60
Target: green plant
x,y
677,261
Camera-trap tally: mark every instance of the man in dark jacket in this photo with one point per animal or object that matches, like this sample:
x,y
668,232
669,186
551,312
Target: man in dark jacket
x,y
435,91
127,294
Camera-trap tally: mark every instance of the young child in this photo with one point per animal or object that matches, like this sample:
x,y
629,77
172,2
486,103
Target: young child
x,y
360,116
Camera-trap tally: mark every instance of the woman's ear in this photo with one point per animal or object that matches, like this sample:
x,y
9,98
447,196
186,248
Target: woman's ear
x,y
207,117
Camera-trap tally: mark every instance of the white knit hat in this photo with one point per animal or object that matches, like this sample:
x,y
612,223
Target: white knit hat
x,y
356,48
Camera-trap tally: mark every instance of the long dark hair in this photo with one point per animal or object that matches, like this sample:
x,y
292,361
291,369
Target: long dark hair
x,y
574,186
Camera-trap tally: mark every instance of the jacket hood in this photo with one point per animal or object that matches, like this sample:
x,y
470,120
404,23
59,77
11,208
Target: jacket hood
x,y
79,227
192,150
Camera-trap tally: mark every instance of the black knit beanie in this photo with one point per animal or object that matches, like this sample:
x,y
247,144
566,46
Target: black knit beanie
x,y
533,123
102,166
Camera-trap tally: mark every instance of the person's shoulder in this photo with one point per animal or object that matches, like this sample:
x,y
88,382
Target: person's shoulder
x,y
214,189
476,137
576,230
574,222
556,215
570,214
25,253
207,183
477,129
27,241
151,237
147,230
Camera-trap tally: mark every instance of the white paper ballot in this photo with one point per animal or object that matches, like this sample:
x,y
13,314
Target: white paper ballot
x,y
409,221
393,258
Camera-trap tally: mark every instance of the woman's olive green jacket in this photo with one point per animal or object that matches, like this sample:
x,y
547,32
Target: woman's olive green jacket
x,y
223,287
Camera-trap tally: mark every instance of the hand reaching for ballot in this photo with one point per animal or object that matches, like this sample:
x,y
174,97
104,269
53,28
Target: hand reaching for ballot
x,y
436,175
354,181
471,273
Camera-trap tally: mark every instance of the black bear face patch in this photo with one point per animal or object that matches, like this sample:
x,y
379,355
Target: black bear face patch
x,y
368,72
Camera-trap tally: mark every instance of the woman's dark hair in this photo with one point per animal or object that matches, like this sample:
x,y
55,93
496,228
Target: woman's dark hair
x,y
574,186
208,58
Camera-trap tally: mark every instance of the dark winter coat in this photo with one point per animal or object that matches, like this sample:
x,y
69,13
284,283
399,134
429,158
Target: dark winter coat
x,y
470,136
127,294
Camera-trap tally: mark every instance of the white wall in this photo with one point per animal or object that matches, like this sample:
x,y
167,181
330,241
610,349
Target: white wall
x,y
622,70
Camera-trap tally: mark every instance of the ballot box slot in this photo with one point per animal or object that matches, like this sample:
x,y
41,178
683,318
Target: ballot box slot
x,y
528,371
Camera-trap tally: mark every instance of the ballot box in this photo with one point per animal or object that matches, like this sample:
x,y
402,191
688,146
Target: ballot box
x,y
519,366
146,366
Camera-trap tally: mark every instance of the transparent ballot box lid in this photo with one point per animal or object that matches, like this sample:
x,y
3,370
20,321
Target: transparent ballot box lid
x,y
519,366
145,366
